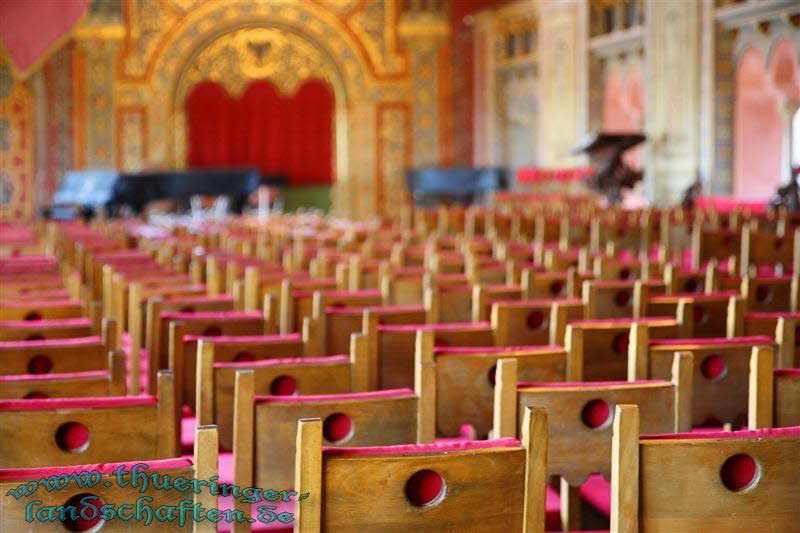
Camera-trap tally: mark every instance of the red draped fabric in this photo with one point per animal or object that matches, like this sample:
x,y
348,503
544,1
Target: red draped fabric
x,y
291,136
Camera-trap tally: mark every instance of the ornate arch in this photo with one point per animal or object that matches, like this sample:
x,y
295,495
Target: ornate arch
x,y
234,43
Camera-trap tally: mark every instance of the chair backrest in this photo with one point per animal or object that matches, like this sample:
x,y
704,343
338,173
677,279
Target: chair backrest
x,y
28,330
235,350
705,315
68,431
267,426
601,346
428,487
53,356
783,326
109,382
462,379
773,395
484,296
45,309
82,503
724,481
761,248
770,293
289,376
175,326
297,300
403,286
450,303
683,281
580,414
529,322
391,348
721,369
549,283
614,299
339,323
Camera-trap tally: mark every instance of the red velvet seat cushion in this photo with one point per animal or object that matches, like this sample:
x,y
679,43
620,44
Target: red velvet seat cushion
x,y
245,339
587,384
286,361
787,372
621,321
714,341
421,449
770,315
77,403
353,310
89,374
211,315
44,324
371,395
8,474
467,350
450,326
43,304
792,431
50,343
541,302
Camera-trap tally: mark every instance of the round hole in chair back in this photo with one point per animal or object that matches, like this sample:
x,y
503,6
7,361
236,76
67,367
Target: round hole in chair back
x,y
337,305
83,512
244,356
440,343
713,367
764,294
699,314
40,364
596,414
337,428
727,240
620,343
35,395
491,374
212,331
556,287
188,309
691,285
797,335
35,337
624,273
739,472
777,243
425,488
283,386
33,315
72,437
536,320
622,298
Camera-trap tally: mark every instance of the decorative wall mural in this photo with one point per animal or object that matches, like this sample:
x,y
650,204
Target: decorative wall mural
x,y
16,147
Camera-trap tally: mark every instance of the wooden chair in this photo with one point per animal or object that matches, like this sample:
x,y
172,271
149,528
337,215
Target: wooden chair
x,y
615,299
719,244
337,324
109,382
266,427
185,329
704,315
737,481
298,303
483,297
391,348
774,394
403,285
68,431
532,322
766,249
782,326
461,379
601,346
721,369
59,328
46,309
282,376
580,417
685,281
57,356
237,349
424,487
77,501
550,284
770,293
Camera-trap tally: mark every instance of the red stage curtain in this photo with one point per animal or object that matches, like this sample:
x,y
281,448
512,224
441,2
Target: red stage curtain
x,y
292,136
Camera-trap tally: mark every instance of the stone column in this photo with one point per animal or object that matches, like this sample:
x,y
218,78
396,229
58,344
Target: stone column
x,y
563,71
423,33
672,86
